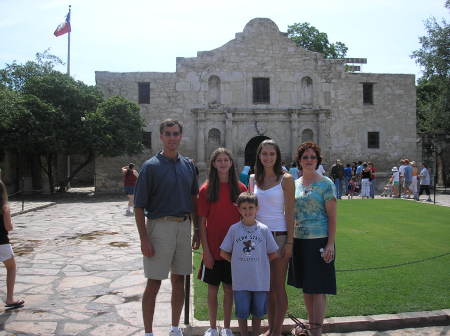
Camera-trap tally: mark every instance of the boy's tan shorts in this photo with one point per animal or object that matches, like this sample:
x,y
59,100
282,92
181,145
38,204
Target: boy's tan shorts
x,y
171,241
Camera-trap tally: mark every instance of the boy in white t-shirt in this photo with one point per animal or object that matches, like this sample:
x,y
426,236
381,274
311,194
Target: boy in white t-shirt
x,y
249,246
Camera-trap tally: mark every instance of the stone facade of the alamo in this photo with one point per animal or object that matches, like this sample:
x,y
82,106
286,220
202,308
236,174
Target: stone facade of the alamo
x,y
261,85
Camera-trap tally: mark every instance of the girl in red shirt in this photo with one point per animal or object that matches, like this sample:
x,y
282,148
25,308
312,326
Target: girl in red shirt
x,y
217,212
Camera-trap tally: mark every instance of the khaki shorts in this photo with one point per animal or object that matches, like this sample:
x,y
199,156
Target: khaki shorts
x,y
171,241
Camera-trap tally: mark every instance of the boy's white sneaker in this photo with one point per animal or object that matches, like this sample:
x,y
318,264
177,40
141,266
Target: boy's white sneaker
x,y
226,332
211,332
175,332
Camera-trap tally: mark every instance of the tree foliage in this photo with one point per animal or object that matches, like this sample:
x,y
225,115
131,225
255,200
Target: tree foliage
x,y
310,38
44,113
433,88
434,55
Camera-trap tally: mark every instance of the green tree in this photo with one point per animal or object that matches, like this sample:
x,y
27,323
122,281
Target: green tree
x,y
116,127
44,113
310,38
433,88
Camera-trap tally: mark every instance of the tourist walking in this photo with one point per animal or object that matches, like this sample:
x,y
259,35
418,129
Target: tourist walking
x,y
320,170
217,212
395,182
6,252
312,264
415,180
425,182
372,179
366,178
351,187
249,246
407,178
337,175
275,191
166,193
130,176
294,170
245,175
348,173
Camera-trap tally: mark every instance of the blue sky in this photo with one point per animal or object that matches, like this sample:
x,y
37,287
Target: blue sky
x,y
138,35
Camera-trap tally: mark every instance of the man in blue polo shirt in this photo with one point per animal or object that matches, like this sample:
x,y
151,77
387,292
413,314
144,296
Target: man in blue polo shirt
x,y
166,193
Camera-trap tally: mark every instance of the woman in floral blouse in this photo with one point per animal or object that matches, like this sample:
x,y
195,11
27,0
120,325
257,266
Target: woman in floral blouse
x,y
312,264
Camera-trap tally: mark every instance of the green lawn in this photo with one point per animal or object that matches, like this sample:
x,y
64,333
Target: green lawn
x,y
377,234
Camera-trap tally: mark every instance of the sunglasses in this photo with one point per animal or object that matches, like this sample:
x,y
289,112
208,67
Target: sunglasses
x,y
306,157
168,134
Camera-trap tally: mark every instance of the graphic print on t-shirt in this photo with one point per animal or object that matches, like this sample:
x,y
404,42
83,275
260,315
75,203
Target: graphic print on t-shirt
x,y
249,246
249,243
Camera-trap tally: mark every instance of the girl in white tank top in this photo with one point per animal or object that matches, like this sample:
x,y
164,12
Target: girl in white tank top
x,y
275,192
271,207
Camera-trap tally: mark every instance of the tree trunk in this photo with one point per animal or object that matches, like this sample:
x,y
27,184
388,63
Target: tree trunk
x,y
51,179
63,186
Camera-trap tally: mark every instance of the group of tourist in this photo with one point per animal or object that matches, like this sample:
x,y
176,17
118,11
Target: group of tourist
x,y
354,179
407,181
252,237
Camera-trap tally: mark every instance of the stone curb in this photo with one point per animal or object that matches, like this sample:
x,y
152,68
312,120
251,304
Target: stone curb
x,y
352,323
39,207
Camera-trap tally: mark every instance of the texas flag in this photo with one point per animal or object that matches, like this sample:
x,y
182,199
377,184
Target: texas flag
x,y
63,27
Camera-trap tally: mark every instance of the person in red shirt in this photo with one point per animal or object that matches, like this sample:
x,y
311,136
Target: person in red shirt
x,y
130,176
217,212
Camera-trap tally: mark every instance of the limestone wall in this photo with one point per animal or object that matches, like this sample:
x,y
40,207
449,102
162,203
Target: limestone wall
x,y
311,98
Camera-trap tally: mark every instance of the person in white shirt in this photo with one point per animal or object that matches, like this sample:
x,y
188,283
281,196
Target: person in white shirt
x,y
320,170
395,182
425,182
401,171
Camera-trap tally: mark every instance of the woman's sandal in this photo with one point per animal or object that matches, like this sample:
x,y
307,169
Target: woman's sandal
x,y
300,328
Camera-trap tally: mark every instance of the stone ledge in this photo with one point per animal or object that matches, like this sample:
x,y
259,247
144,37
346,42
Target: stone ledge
x,y
351,323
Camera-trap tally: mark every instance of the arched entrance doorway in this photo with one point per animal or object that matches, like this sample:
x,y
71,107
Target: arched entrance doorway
x,y
250,149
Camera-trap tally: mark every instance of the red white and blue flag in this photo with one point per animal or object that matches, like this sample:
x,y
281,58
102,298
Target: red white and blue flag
x,y
64,27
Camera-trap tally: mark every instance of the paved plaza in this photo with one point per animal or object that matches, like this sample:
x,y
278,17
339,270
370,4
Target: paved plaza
x,y
80,273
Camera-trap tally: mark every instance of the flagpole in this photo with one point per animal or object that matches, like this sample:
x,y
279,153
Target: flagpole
x,y
68,45
68,72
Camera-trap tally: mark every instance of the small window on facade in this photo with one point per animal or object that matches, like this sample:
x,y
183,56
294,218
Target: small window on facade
x,y
144,93
373,139
147,139
368,93
307,135
261,91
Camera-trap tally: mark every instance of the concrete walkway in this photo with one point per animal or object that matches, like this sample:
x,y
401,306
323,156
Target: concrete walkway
x,y
80,272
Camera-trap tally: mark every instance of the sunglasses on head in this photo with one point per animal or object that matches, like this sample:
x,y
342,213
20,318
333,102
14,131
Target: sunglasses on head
x,y
168,134
306,157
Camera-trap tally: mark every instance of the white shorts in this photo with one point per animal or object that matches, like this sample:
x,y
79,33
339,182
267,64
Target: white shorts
x,y
6,252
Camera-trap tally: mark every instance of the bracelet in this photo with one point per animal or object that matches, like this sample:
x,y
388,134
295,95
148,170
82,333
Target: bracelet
x,y
289,243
